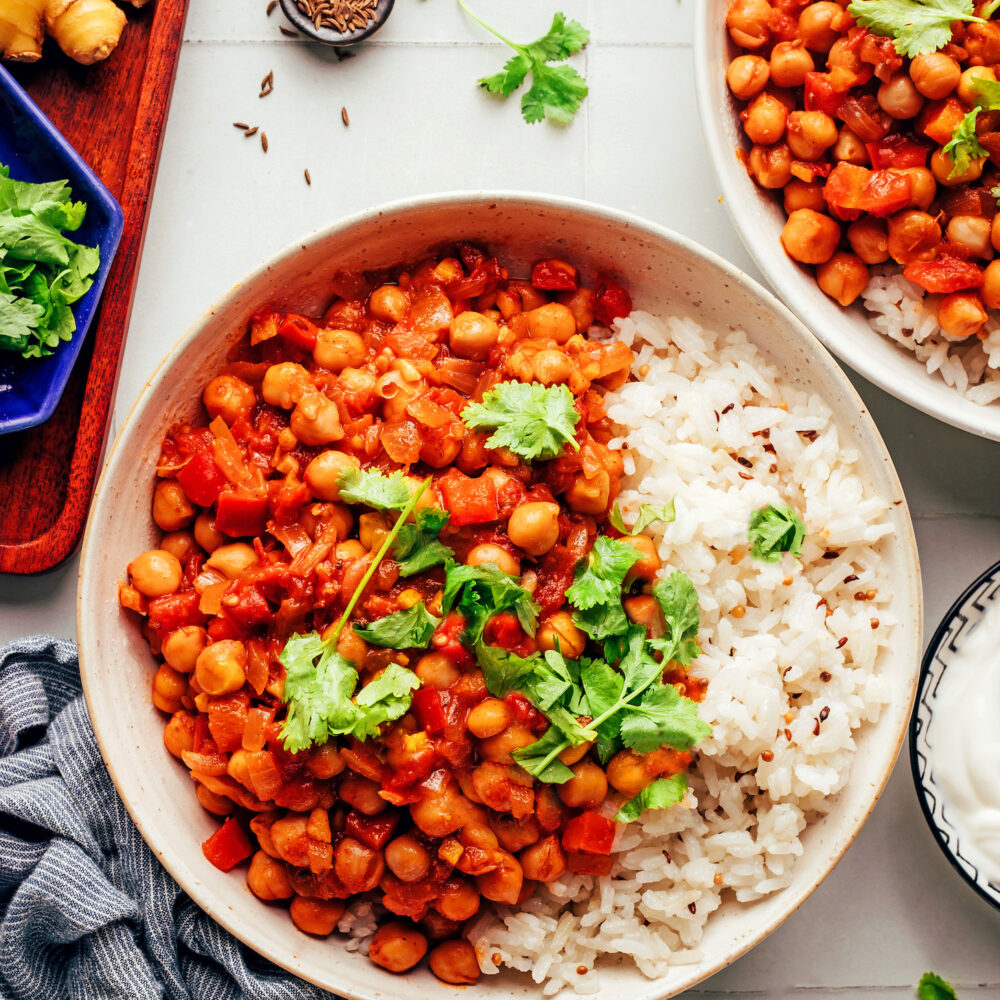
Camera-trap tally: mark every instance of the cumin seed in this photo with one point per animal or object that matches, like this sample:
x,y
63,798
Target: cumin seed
x,y
288,32
251,131
309,179
270,7
263,141
242,125
344,116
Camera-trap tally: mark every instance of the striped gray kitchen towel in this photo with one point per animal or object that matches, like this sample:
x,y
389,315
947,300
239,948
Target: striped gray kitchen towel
x,y
86,911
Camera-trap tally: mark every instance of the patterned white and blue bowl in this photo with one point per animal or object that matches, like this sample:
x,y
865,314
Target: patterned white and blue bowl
x,y
941,652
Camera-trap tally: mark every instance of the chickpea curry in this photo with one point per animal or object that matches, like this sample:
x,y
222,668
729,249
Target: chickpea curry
x,y
880,126
412,652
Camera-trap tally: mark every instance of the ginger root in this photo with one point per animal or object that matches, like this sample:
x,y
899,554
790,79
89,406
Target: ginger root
x,y
86,30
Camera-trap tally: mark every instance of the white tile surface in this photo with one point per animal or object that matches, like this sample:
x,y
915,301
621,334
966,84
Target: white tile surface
x,y
892,908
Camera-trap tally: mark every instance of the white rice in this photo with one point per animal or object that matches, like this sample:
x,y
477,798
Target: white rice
x,y
905,313
684,423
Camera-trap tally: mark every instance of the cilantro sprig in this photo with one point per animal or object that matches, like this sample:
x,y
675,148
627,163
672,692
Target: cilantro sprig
x,y
410,628
480,592
556,92
661,794
917,26
417,547
372,488
774,530
530,419
648,514
964,145
933,987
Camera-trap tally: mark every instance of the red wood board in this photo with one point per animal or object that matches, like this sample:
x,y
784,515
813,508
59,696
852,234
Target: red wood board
x,y
114,115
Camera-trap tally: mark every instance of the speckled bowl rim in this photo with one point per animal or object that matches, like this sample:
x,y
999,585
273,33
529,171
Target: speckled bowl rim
x,y
910,591
918,722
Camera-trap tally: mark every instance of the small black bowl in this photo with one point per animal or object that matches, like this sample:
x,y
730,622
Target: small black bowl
x,y
329,36
961,617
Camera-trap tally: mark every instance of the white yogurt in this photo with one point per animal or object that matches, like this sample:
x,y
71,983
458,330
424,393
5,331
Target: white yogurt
x,y
964,738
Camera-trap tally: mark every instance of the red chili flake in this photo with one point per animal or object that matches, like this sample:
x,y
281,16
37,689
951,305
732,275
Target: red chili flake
x,y
692,908
809,435
816,728
842,642
851,578
726,409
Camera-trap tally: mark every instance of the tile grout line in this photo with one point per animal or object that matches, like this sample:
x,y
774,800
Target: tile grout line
x,y
422,43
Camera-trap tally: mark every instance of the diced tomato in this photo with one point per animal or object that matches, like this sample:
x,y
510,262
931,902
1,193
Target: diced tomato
x,y
504,630
373,831
554,276
264,325
946,273
226,719
589,833
469,501
844,189
588,864
484,278
201,735
201,479
809,170
820,94
611,301
251,609
228,846
896,150
222,627
940,119
426,706
262,769
174,611
240,514
299,795
446,639
886,193
525,712
298,331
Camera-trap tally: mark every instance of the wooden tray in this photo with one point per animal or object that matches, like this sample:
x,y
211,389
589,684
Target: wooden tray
x,y
114,115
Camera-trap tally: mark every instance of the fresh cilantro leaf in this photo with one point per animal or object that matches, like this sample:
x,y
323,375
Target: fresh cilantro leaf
x,y
598,578
374,489
678,600
661,794
532,420
603,685
384,699
918,26
995,191
411,628
602,622
503,671
933,987
986,93
480,592
541,757
417,547
648,514
19,319
663,717
774,530
556,91
964,146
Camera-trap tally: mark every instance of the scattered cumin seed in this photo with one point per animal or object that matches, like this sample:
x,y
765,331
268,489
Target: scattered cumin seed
x,y
289,32
270,7
344,116
242,125
309,179
727,408
251,131
263,141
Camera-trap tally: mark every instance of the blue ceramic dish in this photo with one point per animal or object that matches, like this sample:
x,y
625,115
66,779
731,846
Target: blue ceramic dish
x,y
35,151
957,623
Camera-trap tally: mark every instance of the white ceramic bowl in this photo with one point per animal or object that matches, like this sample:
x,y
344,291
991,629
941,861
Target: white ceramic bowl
x,y
759,219
666,273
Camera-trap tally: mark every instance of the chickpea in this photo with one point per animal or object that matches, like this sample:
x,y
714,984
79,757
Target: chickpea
x,y
589,496
316,916
764,119
544,861
473,335
372,530
339,349
913,236
389,304
580,302
323,473
995,232
231,560
171,508
747,76
435,670
155,573
849,148
489,717
571,755
946,173
790,61
802,194
869,239
923,187
499,748
397,947
178,733
455,962
643,610
810,237
352,647
221,667
899,98
553,321
481,555
350,549
267,878
818,24
770,166
182,647
284,384
966,83
325,761
228,397
748,23
316,420
179,544
961,315
843,277
357,865
935,75
627,773
407,858
810,134
503,884
534,526
649,563
990,290
206,534
217,805
362,794
558,630
552,367
843,54
971,233
586,789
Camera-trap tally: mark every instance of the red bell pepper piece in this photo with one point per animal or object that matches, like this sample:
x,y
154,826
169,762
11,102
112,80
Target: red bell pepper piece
x,y
469,501
251,610
201,479
298,331
611,301
240,514
228,846
589,833
525,712
446,639
898,151
944,274
227,718
504,630
886,193
373,831
201,735
173,611
554,276
426,706
940,119
820,94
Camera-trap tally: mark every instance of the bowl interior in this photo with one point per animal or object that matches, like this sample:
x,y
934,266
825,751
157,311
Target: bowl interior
x,y
759,219
34,151
666,274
